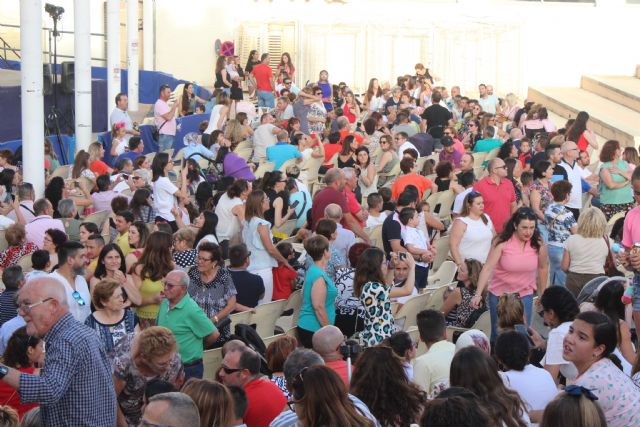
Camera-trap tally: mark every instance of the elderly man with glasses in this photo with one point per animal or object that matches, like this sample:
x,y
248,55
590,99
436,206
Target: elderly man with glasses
x,y
76,386
498,193
188,322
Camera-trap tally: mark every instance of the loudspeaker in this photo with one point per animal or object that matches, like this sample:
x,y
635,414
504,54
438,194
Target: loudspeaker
x,y
68,77
47,83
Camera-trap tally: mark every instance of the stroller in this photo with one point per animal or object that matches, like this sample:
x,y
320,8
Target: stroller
x,y
590,290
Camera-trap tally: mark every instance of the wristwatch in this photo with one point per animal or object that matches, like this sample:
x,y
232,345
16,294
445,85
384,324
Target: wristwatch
x,y
3,371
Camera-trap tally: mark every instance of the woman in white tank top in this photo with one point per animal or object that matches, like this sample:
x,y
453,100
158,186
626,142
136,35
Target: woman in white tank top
x,y
472,232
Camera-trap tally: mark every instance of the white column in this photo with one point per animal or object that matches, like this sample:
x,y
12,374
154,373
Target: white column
x,y
132,53
82,47
148,31
31,92
113,53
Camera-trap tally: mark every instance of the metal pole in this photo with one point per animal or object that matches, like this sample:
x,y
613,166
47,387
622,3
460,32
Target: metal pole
x,y
132,53
113,53
147,34
82,47
31,91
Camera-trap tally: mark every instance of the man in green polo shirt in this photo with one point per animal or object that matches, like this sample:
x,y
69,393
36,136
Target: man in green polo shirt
x,y
489,141
189,324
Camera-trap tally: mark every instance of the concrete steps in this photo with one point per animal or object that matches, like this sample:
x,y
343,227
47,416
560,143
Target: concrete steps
x,y
613,103
621,89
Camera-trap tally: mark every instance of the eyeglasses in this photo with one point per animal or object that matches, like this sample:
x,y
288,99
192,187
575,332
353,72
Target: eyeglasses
x,y
230,371
26,308
145,423
168,285
204,259
76,296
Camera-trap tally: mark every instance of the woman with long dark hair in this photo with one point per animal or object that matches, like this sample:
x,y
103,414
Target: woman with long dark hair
x,y
205,225
274,186
346,156
164,192
138,235
219,113
590,344
320,398
141,206
475,370
379,380
287,66
580,134
540,192
457,306
254,59
609,302
517,263
472,231
154,264
373,284
111,265
373,99
188,100
222,77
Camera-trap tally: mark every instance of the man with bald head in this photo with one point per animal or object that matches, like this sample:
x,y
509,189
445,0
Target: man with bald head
x,y
344,238
334,193
75,386
326,342
573,174
498,194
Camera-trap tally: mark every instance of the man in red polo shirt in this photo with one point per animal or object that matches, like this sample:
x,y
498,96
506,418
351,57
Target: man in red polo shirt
x,y
241,368
264,82
498,194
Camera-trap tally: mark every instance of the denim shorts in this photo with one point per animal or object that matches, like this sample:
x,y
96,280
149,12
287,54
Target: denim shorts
x,y
636,292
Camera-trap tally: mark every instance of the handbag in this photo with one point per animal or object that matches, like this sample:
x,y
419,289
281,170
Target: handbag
x,y
155,132
610,268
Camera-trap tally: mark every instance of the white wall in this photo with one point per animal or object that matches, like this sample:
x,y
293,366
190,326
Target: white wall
x,y
508,43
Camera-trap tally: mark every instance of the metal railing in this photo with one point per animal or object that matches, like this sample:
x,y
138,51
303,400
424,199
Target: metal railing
x,y
5,46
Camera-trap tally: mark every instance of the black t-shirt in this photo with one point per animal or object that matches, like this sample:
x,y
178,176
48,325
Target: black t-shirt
x,y
388,106
538,157
391,230
437,118
249,287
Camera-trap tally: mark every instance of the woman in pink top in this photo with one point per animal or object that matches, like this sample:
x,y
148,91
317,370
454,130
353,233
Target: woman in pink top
x,y
589,345
517,263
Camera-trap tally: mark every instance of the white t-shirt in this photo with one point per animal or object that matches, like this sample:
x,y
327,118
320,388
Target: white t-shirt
x,y
407,145
163,200
263,137
553,356
413,236
287,113
534,385
372,221
121,148
80,308
459,200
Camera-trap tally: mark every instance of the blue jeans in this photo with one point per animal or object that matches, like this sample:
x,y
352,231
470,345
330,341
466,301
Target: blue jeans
x,y
266,99
556,275
194,371
527,302
165,142
542,228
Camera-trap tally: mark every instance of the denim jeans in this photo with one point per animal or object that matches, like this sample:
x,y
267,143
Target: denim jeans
x,y
556,275
165,142
527,302
266,99
194,371
542,228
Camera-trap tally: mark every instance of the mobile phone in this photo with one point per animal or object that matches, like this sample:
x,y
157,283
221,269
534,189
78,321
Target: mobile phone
x,y
294,204
125,176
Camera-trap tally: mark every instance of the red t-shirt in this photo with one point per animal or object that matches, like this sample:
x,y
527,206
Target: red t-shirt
x,y
420,182
340,366
265,402
282,277
99,167
329,151
497,200
263,74
10,396
354,206
325,197
345,132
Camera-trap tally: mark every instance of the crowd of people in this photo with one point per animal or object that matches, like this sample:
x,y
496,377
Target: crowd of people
x,y
130,271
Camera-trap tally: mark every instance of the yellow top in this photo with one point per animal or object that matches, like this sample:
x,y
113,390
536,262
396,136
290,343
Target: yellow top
x,y
123,242
149,288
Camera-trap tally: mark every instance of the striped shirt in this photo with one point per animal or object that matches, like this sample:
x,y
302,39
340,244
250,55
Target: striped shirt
x,y
290,419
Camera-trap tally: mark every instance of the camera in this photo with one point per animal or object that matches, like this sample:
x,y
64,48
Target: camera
x,y
54,11
350,349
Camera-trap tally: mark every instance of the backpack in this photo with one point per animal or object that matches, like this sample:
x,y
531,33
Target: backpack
x,y
248,335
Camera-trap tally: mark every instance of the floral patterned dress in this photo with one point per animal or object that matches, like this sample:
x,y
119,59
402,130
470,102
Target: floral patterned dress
x,y
317,110
378,323
546,198
12,254
618,396
130,398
